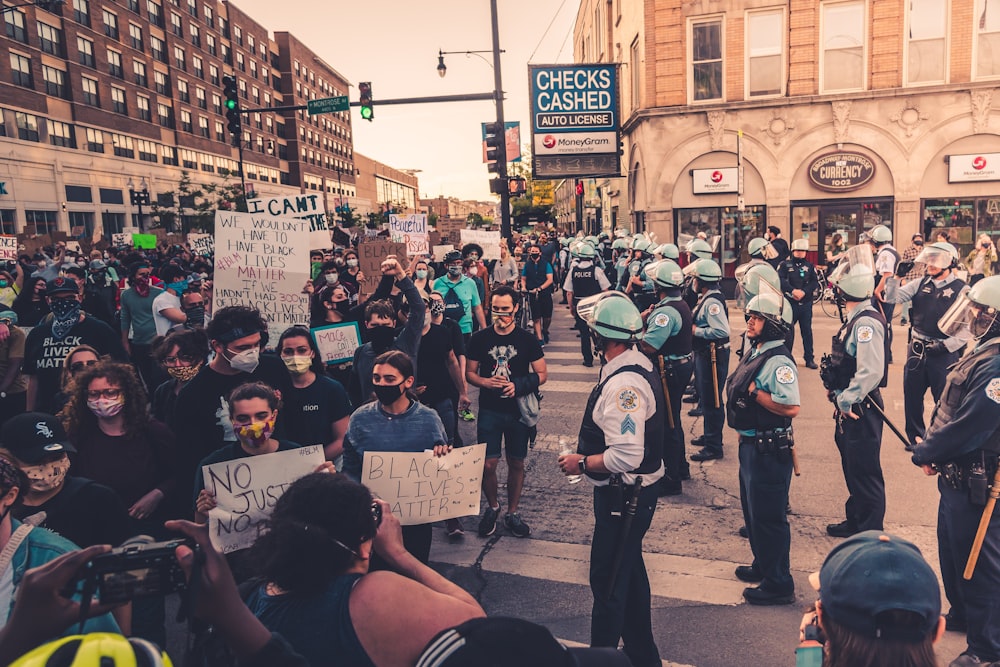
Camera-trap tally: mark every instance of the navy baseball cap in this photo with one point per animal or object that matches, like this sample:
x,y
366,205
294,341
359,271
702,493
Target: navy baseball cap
x,y
871,573
32,436
61,285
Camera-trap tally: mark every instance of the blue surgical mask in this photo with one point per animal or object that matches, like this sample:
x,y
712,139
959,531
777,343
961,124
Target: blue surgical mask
x,y
180,286
421,273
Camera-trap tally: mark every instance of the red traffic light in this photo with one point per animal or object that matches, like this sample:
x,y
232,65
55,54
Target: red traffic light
x,y
579,188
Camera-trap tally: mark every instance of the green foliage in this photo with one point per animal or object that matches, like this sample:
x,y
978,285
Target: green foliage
x,y
192,205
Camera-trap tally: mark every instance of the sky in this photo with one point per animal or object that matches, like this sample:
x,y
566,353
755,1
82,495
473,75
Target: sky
x,y
394,44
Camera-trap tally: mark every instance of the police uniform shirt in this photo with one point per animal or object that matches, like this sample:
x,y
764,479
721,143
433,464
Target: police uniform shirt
x,y
896,294
885,260
621,266
663,323
621,411
710,319
974,423
777,377
866,343
602,280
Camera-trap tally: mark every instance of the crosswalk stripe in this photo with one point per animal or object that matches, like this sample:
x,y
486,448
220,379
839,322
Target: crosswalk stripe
x,y
576,369
567,387
564,355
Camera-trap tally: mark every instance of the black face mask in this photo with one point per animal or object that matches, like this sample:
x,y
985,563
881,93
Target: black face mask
x,y
342,307
387,393
381,337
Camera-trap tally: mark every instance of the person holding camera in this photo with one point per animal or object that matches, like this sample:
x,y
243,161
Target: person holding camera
x,y
981,260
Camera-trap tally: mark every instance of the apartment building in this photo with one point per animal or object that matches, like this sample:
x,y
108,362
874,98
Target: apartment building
x,y
852,113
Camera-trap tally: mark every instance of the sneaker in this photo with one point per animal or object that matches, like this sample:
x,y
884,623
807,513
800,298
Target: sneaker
x,y
454,528
467,415
515,525
545,336
488,524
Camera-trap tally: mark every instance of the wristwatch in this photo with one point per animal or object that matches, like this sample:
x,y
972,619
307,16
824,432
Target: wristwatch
x,y
583,464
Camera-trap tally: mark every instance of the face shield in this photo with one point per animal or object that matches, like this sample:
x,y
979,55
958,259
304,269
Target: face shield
x,y
858,261
966,314
936,257
585,309
769,252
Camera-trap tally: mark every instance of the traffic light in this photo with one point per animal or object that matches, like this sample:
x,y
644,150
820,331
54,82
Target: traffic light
x,y
579,188
365,97
232,105
494,147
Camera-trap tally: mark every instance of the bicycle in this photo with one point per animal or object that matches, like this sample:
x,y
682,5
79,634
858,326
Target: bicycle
x,y
826,297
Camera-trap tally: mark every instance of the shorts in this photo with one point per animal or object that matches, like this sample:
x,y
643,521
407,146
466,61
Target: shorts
x,y
541,304
492,427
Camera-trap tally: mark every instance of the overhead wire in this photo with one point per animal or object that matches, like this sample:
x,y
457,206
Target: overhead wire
x,y
542,38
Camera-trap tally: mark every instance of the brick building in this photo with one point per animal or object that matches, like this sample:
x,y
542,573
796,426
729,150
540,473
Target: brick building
x,y
852,113
382,187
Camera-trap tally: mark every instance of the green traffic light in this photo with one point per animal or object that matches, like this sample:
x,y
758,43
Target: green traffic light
x,y
230,104
366,113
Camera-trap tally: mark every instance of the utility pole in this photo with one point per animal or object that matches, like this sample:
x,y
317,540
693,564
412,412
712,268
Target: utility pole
x,y
505,230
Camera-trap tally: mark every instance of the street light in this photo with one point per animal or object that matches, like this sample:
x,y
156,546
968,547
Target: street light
x,y
138,198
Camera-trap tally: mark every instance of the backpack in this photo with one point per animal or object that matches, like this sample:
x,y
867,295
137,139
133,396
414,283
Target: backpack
x,y
454,309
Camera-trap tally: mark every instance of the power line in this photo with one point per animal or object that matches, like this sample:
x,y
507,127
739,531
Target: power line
x,y
542,38
563,45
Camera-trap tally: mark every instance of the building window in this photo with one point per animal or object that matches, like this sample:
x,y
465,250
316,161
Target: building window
x,y
175,24
158,48
242,85
216,103
706,60
183,91
113,223
133,6
123,146
213,75
55,82
189,159
50,39
110,24
203,127
20,70
210,44
115,64
135,36
162,82
238,35
195,35
193,8
220,134
165,115
927,50
95,140
227,55
169,154
155,13
255,95
765,38
44,221
27,126
90,94
842,40
140,74
7,222
14,20
179,60
85,51
118,101
81,12
142,104
209,17
199,94
253,69
61,134
987,46
186,121
634,67
147,150
241,64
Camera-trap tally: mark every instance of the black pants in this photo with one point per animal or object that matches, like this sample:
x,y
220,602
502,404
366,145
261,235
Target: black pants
x,y
674,462
976,600
715,417
927,371
887,309
764,483
625,614
860,444
586,346
802,314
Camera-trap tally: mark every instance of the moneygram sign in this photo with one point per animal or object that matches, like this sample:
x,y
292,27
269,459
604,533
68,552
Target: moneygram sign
x,y
974,167
575,125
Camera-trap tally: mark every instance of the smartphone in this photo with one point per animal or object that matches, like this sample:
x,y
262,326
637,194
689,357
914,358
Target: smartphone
x,y
809,656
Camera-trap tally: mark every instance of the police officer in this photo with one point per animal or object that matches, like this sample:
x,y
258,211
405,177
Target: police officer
x,y
799,282
711,356
668,341
619,264
962,443
757,251
886,259
668,251
852,375
696,249
762,398
621,443
930,352
637,285
584,279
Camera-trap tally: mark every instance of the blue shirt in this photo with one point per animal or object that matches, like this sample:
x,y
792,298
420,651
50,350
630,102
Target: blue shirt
x,y
866,343
777,377
373,429
710,319
662,323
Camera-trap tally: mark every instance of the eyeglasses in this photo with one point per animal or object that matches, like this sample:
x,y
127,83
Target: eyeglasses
x,y
78,366
110,394
173,361
376,510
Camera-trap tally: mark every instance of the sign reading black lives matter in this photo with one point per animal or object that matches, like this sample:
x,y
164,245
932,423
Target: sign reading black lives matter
x,y
575,121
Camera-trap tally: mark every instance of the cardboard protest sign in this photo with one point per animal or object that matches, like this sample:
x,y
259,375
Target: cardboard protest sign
x,y
246,490
423,488
145,241
8,248
72,245
411,230
263,262
202,244
441,250
490,242
121,239
303,207
337,342
370,257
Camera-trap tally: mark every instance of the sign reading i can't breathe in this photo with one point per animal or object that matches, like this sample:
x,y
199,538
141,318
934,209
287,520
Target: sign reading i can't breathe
x,y
304,207
575,126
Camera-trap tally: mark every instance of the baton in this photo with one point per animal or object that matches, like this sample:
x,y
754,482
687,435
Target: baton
x,y
795,463
627,517
892,427
666,390
715,375
984,523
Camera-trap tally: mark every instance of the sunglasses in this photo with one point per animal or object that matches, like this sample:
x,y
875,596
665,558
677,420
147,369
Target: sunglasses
x,y
78,366
376,510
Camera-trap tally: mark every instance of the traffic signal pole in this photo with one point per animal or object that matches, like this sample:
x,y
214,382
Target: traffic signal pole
x,y
505,231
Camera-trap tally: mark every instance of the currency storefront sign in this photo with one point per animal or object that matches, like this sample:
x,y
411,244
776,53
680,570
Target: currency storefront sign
x,y
841,172
575,121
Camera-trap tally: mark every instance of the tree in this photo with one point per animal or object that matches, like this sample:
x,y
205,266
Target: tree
x,y
192,206
475,220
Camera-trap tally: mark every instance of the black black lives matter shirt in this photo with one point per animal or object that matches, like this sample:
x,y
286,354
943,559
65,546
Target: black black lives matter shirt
x,y
44,355
505,356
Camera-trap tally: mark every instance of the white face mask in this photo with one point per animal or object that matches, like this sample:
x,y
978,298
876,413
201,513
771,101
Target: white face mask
x,y
246,361
47,476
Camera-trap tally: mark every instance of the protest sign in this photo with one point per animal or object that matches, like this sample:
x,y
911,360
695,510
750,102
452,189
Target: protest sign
x,y
441,250
423,488
337,342
71,245
411,230
370,257
490,242
146,241
303,207
263,262
8,248
121,239
202,244
246,490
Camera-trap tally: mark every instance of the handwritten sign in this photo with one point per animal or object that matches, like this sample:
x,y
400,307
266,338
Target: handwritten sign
x,y
303,207
411,230
8,248
202,244
490,242
144,241
422,488
441,250
263,262
371,254
246,490
337,342
121,239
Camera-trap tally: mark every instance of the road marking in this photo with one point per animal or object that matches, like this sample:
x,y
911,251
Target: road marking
x,y
566,387
578,369
575,356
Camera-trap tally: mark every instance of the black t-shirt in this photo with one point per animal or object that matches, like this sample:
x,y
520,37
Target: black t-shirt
x,y
508,357
311,411
457,337
44,355
84,512
432,365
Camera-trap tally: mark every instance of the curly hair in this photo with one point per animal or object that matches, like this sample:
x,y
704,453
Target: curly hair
x,y
300,551
77,418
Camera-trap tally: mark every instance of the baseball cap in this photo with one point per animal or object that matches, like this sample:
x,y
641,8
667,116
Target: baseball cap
x,y
511,642
97,265
874,572
61,285
32,436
